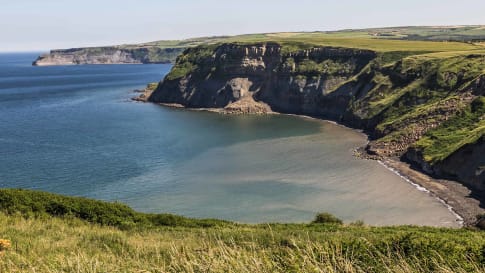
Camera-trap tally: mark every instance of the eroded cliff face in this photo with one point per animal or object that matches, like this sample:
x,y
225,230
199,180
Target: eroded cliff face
x,y
466,164
108,55
403,103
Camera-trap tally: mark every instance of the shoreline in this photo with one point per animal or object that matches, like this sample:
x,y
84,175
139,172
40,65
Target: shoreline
x,y
420,187
451,194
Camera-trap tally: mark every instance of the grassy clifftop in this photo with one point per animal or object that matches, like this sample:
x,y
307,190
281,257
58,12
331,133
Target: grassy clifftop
x,y
42,240
379,39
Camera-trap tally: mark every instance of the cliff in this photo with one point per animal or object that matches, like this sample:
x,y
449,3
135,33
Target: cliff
x,y
109,55
425,108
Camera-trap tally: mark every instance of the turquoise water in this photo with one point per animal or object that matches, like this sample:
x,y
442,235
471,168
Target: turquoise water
x,y
74,130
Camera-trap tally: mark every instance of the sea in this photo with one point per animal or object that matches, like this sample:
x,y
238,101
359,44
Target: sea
x,y
74,130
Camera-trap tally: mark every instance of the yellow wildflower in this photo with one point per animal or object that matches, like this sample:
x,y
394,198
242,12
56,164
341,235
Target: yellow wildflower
x,y
4,244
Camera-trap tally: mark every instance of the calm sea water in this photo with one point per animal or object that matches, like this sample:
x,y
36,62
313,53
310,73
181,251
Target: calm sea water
x,y
73,130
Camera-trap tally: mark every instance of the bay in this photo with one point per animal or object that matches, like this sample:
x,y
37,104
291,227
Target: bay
x,y
74,130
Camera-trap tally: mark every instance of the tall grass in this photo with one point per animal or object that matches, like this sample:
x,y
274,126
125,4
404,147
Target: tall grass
x,y
36,239
72,245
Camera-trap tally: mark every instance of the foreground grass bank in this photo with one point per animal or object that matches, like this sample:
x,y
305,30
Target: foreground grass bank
x,y
40,241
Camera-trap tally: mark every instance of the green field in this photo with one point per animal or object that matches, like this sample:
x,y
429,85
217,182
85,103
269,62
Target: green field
x,y
377,44
45,233
418,39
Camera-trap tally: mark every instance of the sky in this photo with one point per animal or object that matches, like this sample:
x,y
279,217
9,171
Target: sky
x,y
40,25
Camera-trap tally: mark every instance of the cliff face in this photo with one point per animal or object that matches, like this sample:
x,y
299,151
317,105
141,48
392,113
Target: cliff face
x,y
298,82
424,108
466,164
108,55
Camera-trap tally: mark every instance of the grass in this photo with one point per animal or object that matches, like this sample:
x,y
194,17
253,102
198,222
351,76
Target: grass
x,y
343,37
429,33
38,243
307,40
358,39
382,45
43,204
57,245
193,60
152,86
420,112
466,127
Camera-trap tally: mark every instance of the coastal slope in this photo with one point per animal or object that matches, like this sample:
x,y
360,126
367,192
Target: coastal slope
x,y
422,102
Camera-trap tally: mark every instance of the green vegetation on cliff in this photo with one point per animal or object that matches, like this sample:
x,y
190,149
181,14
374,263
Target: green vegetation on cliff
x,y
420,94
69,243
188,63
466,127
420,81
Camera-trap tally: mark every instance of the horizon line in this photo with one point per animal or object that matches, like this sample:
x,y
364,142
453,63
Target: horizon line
x,y
242,34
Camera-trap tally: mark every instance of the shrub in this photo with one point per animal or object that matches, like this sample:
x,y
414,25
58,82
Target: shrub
x,y
326,218
39,204
358,223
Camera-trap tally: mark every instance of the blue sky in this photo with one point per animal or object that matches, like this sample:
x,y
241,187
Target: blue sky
x,y
33,25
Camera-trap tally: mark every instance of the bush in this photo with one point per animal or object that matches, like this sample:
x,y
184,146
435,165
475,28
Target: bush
x,y
326,218
39,204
